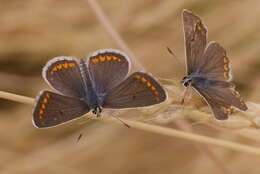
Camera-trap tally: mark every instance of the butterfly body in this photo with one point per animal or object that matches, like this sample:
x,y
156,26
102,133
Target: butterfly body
x,y
208,69
100,81
91,97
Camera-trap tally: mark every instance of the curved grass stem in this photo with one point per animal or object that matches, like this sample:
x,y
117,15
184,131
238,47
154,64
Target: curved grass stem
x,y
156,129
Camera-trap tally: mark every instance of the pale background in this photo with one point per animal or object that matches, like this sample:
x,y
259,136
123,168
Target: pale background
x,y
32,32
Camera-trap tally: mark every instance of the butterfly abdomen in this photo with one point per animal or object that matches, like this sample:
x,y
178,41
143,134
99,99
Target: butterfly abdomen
x,y
91,97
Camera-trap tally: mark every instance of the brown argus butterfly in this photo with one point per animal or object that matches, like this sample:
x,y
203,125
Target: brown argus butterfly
x,y
208,69
100,81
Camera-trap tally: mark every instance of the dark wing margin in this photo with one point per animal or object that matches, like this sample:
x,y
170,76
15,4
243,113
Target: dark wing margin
x,y
215,64
63,74
222,100
53,109
195,36
107,68
138,90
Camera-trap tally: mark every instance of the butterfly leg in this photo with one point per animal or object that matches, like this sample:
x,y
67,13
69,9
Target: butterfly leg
x,y
184,94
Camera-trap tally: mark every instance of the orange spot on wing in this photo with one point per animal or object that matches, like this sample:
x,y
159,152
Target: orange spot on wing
x,y
71,64
225,60
45,100
65,65
157,99
41,112
153,88
148,84
156,92
119,60
143,80
137,76
108,58
95,60
102,58
54,69
40,117
43,106
59,66
199,27
226,75
114,58
226,67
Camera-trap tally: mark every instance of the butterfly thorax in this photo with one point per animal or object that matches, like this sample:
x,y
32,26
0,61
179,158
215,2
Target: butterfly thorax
x,y
90,97
196,80
203,82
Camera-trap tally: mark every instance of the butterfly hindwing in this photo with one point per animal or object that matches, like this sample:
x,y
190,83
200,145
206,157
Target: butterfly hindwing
x,y
63,74
107,68
222,97
53,109
138,90
215,64
195,33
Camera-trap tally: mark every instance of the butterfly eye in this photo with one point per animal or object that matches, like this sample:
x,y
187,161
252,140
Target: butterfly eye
x,y
186,81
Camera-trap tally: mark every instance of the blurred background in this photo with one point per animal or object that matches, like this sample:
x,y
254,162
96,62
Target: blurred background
x,y
32,32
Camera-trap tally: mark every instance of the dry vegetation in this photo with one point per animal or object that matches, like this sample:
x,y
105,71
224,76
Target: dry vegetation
x,y
32,32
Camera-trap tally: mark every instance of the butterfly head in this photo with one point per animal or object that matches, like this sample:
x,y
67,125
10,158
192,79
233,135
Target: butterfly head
x,y
186,81
97,111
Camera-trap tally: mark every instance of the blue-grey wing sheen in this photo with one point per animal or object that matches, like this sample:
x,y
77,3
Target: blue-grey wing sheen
x,y
107,68
195,36
53,109
138,90
63,74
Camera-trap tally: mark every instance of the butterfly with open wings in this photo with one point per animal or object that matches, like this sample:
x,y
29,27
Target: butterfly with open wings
x,y
100,81
208,69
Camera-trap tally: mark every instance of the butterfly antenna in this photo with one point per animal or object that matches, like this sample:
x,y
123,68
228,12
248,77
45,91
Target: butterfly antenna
x,y
175,57
127,125
79,137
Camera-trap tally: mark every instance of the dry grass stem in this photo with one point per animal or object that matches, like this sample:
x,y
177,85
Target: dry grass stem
x,y
157,129
99,13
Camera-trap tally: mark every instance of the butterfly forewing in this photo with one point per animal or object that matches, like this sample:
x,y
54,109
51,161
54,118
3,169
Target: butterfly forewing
x,y
63,74
215,63
195,34
107,68
139,89
53,109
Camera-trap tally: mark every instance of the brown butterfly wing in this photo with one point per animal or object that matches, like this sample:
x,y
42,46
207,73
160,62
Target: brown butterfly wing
x,y
195,35
138,90
221,97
